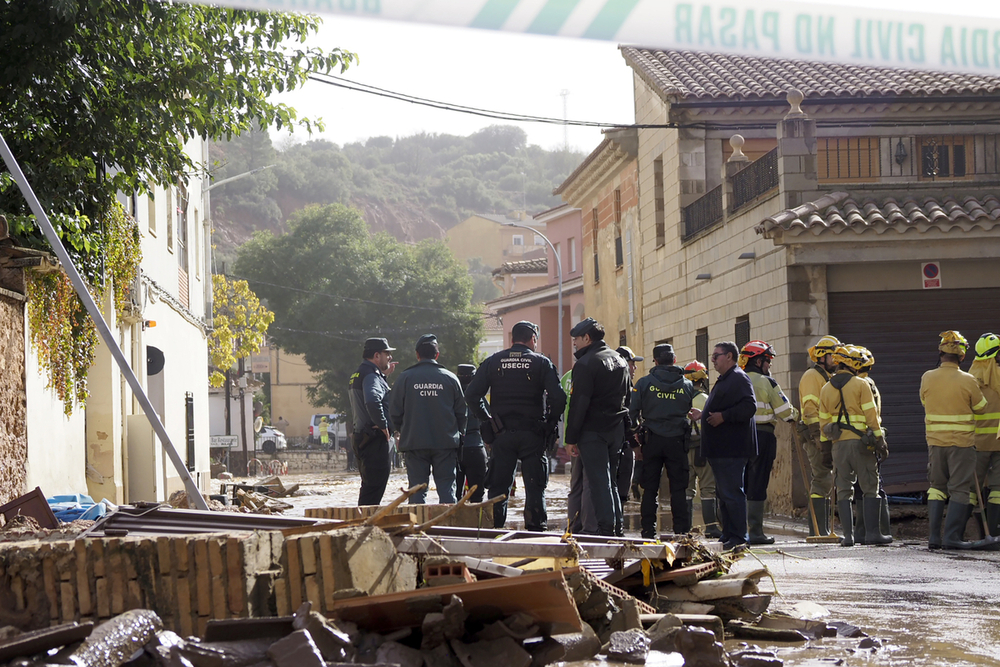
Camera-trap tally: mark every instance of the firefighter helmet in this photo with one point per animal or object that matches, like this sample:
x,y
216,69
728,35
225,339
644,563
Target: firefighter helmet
x,y
695,371
987,346
824,346
952,342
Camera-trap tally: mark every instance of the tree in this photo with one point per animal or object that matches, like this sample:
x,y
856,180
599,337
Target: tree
x,y
239,325
99,93
332,285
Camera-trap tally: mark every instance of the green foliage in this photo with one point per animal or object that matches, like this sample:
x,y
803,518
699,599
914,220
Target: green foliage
x,y
332,285
239,325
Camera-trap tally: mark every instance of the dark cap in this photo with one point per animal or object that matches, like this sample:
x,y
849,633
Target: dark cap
x,y
628,354
525,327
427,339
662,349
373,345
583,327
466,370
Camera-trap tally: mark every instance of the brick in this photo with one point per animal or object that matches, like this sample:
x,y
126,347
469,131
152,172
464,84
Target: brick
x,y
281,597
235,577
203,577
50,580
184,616
326,572
68,602
307,554
313,593
103,598
294,573
83,579
164,551
115,574
217,569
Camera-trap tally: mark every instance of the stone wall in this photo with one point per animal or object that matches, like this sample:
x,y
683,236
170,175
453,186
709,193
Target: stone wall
x,y
13,408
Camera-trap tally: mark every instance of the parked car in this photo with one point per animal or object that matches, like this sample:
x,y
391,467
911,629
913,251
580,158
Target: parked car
x,y
270,440
336,427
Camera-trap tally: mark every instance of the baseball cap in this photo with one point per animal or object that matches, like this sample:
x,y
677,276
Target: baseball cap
x,y
583,327
378,345
524,326
427,338
628,354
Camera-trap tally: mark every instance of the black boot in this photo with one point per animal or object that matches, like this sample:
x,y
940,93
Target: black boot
x,y
820,508
690,506
872,510
712,528
935,513
860,532
954,526
883,514
846,522
829,516
993,518
755,523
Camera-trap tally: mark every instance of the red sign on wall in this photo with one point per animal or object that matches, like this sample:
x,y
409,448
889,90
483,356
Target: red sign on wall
x,y
931,273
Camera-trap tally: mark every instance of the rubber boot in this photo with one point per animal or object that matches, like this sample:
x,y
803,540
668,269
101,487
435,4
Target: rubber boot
x,y
846,522
860,532
954,526
829,516
993,518
978,521
820,507
755,523
690,505
935,513
872,510
712,528
883,514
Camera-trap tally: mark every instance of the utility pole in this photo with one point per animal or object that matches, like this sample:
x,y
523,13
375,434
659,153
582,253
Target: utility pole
x,y
565,94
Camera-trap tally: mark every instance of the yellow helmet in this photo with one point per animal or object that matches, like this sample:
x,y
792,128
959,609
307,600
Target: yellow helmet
x,y
952,342
824,346
850,356
987,346
867,357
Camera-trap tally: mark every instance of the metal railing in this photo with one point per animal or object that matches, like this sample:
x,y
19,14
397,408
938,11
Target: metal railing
x,y
925,157
702,212
757,178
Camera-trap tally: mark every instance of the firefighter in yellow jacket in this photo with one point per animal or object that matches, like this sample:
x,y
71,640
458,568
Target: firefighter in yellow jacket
x,y
951,399
883,514
819,454
987,373
848,419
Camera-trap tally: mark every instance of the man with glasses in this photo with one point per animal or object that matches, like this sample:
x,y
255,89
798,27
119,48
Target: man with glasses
x,y
729,439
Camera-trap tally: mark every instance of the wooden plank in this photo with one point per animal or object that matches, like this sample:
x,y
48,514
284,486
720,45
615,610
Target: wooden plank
x,y
682,576
294,573
545,596
419,545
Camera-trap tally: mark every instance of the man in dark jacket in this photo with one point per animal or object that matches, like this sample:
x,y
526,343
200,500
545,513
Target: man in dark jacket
x,y
472,457
526,403
428,408
729,439
369,391
595,428
663,399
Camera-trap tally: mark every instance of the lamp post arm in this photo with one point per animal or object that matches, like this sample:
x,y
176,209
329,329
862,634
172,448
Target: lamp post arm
x,y
237,177
559,312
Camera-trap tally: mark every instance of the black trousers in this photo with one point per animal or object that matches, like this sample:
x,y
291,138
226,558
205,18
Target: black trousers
x,y
658,453
758,472
528,448
471,469
623,476
373,463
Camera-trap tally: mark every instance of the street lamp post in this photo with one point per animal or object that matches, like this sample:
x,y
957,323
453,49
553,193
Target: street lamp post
x,y
559,314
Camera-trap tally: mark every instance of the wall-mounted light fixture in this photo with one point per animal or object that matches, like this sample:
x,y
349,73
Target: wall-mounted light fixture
x,y
900,152
703,276
748,255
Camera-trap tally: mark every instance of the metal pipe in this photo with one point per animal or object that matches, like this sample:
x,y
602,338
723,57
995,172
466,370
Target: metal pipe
x,y
194,494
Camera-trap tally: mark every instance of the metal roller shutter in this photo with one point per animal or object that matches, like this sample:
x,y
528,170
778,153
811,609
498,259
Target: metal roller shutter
x,y
901,329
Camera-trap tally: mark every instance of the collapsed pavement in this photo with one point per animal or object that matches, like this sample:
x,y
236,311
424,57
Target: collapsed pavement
x,y
309,591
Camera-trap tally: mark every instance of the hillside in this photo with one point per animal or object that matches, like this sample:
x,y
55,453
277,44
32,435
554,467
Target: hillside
x,y
411,187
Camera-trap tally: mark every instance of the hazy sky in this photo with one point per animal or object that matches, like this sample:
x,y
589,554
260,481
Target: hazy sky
x,y
492,70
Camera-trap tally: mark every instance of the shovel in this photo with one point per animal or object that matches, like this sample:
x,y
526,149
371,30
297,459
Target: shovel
x,y
990,542
832,538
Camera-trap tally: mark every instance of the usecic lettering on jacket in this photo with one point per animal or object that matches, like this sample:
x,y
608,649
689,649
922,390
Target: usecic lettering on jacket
x,y
428,388
515,364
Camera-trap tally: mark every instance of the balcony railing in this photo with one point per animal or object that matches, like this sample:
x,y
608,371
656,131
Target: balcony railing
x,y
703,212
919,157
757,178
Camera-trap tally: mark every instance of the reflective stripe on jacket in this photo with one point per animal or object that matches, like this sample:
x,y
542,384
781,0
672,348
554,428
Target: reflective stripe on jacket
x,y
988,423
771,402
950,397
809,387
859,404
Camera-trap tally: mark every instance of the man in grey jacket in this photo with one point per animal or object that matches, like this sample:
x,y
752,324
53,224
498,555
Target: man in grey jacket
x,y
428,408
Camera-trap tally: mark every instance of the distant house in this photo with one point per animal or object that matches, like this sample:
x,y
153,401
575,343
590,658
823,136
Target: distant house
x,y
490,239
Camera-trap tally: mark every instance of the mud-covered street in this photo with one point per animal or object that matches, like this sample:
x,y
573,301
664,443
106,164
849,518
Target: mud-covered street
x,y
922,608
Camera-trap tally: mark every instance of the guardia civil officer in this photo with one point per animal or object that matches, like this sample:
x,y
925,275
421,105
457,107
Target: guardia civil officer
x,y
663,399
595,428
369,392
472,457
526,403
428,408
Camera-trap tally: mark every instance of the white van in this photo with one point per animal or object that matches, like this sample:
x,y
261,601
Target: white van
x,y
336,427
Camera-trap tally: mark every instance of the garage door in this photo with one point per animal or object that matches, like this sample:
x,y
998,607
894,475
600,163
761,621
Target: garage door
x,y
901,329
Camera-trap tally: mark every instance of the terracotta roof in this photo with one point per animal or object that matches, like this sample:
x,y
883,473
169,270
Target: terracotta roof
x,y
524,266
838,212
492,321
702,76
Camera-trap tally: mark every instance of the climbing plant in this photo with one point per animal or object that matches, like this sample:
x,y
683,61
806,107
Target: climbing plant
x,y
239,323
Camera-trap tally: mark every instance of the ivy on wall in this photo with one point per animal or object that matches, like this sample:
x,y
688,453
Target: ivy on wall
x,y
62,333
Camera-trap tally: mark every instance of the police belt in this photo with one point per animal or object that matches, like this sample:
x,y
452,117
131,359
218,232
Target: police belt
x,y
515,423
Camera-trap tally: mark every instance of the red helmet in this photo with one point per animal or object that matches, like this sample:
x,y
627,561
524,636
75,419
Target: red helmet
x,y
755,348
695,371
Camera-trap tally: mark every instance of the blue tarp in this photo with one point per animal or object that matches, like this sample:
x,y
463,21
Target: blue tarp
x,y
77,506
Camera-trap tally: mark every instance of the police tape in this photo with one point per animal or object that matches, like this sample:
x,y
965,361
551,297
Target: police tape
x,y
832,33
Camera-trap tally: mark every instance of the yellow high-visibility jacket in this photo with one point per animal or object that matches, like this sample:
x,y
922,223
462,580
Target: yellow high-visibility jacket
x,y
859,403
988,423
771,402
809,387
875,393
951,398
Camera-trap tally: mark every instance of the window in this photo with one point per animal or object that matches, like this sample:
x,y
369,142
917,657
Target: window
x,y
661,231
572,254
593,233
197,246
944,157
151,205
701,346
182,226
619,251
170,219
622,338
517,240
742,332
539,240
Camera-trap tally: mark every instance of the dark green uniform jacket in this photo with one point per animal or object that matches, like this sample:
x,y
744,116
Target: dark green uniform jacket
x,y
663,398
428,408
